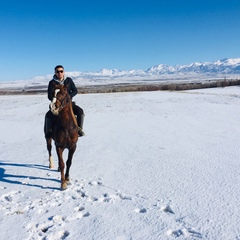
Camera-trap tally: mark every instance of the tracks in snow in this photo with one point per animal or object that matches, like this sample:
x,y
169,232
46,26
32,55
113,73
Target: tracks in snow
x,y
83,198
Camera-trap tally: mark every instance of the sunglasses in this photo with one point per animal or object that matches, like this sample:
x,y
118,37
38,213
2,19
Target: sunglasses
x,y
60,71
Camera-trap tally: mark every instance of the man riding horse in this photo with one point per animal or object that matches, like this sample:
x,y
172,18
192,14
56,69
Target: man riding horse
x,y
59,78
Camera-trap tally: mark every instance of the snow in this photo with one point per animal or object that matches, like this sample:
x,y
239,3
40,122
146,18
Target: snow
x,y
228,62
153,165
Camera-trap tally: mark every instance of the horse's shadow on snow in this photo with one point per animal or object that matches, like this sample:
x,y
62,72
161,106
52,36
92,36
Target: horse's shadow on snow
x,y
8,178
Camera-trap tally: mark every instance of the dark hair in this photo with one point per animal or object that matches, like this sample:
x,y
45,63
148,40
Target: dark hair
x,y
58,66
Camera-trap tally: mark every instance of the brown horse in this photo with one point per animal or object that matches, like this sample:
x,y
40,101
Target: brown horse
x,y
65,131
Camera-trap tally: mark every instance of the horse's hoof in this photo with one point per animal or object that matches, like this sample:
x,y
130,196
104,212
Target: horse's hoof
x,y
51,166
63,186
68,181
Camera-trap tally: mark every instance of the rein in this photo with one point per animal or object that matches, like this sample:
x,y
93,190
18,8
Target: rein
x,y
64,102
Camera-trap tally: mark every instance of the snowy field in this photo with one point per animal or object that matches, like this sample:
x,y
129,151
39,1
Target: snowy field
x,y
153,165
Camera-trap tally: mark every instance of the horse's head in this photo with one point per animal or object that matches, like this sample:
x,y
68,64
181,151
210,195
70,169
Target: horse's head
x,y
60,98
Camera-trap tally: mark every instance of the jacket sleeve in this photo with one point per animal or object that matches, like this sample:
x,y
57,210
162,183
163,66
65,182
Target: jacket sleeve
x,y
72,88
50,91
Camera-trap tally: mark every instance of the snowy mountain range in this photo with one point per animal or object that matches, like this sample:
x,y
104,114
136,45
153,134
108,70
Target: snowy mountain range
x,y
224,68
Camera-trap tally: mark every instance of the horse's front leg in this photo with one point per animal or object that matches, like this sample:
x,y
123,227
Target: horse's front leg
x,y
69,163
49,148
61,167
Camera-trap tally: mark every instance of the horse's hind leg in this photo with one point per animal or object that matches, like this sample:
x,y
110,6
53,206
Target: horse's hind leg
x,y
48,120
49,148
69,163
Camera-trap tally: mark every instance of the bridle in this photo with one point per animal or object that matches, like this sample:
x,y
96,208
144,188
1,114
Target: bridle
x,y
67,98
64,102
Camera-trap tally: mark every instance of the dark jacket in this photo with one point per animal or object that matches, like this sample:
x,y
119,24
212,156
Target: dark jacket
x,y
72,90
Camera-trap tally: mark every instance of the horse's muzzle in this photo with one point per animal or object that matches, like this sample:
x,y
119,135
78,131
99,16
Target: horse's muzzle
x,y
54,110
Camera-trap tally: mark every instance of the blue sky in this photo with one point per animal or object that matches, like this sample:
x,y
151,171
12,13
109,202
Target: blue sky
x,y
91,35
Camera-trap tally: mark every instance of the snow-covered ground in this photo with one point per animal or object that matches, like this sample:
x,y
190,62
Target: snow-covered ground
x,y
153,165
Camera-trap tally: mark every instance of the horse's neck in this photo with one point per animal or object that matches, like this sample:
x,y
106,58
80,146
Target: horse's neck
x,y
67,116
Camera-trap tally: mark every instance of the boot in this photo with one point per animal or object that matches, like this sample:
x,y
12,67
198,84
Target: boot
x,y
80,132
80,126
48,128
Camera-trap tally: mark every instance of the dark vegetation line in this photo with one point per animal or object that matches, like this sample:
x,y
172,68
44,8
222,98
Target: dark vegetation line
x,y
129,87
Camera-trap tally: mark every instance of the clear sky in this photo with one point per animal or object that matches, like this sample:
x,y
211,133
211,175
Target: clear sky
x,y
92,34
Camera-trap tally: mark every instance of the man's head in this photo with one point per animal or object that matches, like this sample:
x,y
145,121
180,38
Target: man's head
x,y
59,72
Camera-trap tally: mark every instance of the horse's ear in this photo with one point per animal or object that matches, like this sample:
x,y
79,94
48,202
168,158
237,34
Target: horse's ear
x,y
54,84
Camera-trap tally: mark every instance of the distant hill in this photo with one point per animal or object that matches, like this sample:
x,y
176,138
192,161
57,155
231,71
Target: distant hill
x,y
162,73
